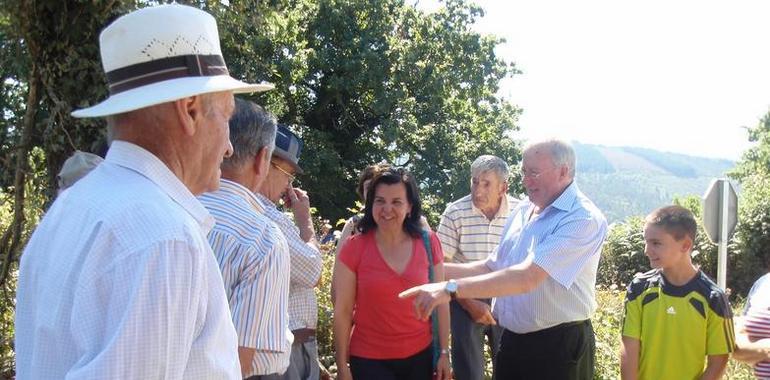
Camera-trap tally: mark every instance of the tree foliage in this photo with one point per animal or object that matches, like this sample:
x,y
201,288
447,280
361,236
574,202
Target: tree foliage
x,y
366,81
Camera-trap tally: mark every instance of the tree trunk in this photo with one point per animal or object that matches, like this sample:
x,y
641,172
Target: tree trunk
x,y
11,238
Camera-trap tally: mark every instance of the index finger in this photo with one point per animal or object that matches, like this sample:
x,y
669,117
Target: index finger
x,y
409,292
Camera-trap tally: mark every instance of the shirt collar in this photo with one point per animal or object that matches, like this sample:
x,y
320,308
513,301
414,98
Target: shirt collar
x,y
138,159
502,211
265,201
236,188
566,200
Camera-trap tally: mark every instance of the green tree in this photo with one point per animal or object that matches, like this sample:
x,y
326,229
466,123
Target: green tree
x,y
752,235
367,81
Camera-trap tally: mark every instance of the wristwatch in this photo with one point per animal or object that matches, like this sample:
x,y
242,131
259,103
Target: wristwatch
x,y
444,351
451,288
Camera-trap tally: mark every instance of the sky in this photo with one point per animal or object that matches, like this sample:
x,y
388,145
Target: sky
x,y
680,76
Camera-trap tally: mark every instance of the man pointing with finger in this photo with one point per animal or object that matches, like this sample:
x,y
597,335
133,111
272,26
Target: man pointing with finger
x,y
469,231
542,274
306,261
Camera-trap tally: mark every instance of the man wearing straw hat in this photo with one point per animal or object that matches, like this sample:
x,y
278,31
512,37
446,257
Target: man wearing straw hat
x,y
118,280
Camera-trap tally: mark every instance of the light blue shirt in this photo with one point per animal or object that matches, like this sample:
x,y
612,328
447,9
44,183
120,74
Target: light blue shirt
x,y
565,240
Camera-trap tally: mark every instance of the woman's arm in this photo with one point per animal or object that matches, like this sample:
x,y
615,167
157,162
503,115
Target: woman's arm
x,y
345,280
443,369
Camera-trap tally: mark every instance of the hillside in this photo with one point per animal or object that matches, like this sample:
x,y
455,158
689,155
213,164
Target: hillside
x,y
625,181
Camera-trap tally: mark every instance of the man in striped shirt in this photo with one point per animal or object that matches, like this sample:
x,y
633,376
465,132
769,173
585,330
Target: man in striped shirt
x,y
306,261
753,330
251,251
543,273
469,231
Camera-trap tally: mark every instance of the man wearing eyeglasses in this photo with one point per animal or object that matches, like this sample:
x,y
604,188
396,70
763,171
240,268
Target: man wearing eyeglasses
x,y
470,230
306,261
543,273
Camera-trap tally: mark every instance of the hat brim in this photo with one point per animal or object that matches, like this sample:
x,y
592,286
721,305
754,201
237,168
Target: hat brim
x,y
297,169
167,91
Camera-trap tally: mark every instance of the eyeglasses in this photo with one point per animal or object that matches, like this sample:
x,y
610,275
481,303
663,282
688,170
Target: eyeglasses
x,y
532,174
291,176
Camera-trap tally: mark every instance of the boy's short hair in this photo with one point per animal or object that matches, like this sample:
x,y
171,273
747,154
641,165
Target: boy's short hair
x,y
675,220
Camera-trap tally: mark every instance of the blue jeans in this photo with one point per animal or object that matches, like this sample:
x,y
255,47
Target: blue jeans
x,y
468,343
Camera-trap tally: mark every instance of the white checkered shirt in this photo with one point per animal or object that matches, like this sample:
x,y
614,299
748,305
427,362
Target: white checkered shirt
x,y
119,282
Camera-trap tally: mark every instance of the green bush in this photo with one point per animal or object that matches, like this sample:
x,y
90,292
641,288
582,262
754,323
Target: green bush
x,y
623,251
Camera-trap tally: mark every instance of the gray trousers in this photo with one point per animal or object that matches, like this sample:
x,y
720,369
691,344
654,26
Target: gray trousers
x,y
303,364
468,344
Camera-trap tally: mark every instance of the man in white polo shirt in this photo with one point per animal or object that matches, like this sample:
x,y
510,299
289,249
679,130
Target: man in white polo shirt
x,y
470,229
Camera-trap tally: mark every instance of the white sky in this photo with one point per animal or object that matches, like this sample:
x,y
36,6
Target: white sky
x,y
678,75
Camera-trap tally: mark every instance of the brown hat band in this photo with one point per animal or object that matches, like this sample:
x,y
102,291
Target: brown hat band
x,y
183,66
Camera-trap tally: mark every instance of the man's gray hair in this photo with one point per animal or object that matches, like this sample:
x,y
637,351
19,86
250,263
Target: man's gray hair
x,y
560,151
489,163
251,129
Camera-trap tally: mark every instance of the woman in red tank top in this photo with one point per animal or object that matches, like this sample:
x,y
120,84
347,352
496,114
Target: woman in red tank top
x,y
375,331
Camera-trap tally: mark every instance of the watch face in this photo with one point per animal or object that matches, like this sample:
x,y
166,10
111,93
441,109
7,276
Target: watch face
x,y
451,287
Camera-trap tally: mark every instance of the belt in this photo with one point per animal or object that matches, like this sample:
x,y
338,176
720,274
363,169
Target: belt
x,y
553,328
302,336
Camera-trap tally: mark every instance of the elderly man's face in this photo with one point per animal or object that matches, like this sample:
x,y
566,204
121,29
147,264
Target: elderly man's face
x,y
488,190
279,179
215,137
543,180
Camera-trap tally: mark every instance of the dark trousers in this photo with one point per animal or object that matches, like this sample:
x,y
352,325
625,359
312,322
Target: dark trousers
x,y
563,352
416,367
468,362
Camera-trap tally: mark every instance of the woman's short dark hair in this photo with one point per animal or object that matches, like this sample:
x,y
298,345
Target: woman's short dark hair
x,y
392,176
367,174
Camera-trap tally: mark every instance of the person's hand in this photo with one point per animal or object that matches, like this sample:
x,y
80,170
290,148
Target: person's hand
x,y
426,298
479,311
343,372
443,370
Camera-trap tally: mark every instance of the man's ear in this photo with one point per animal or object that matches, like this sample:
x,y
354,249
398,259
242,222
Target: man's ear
x,y
189,111
262,162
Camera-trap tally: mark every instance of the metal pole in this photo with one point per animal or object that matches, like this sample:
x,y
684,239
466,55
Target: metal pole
x,y
722,258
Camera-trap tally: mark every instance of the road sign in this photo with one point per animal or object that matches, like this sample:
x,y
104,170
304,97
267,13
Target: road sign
x,y
717,217
720,215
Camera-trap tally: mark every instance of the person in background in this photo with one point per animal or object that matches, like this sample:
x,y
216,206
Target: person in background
x,y
388,255
752,330
676,319
327,234
306,260
364,179
118,280
252,252
470,230
77,166
543,273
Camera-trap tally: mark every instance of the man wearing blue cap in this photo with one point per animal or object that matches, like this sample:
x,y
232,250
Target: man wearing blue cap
x,y
306,261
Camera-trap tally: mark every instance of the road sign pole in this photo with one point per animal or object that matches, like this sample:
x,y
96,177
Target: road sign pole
x,y
722,258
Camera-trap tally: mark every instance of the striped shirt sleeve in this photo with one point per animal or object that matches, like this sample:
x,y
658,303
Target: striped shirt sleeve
x,y
262,288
